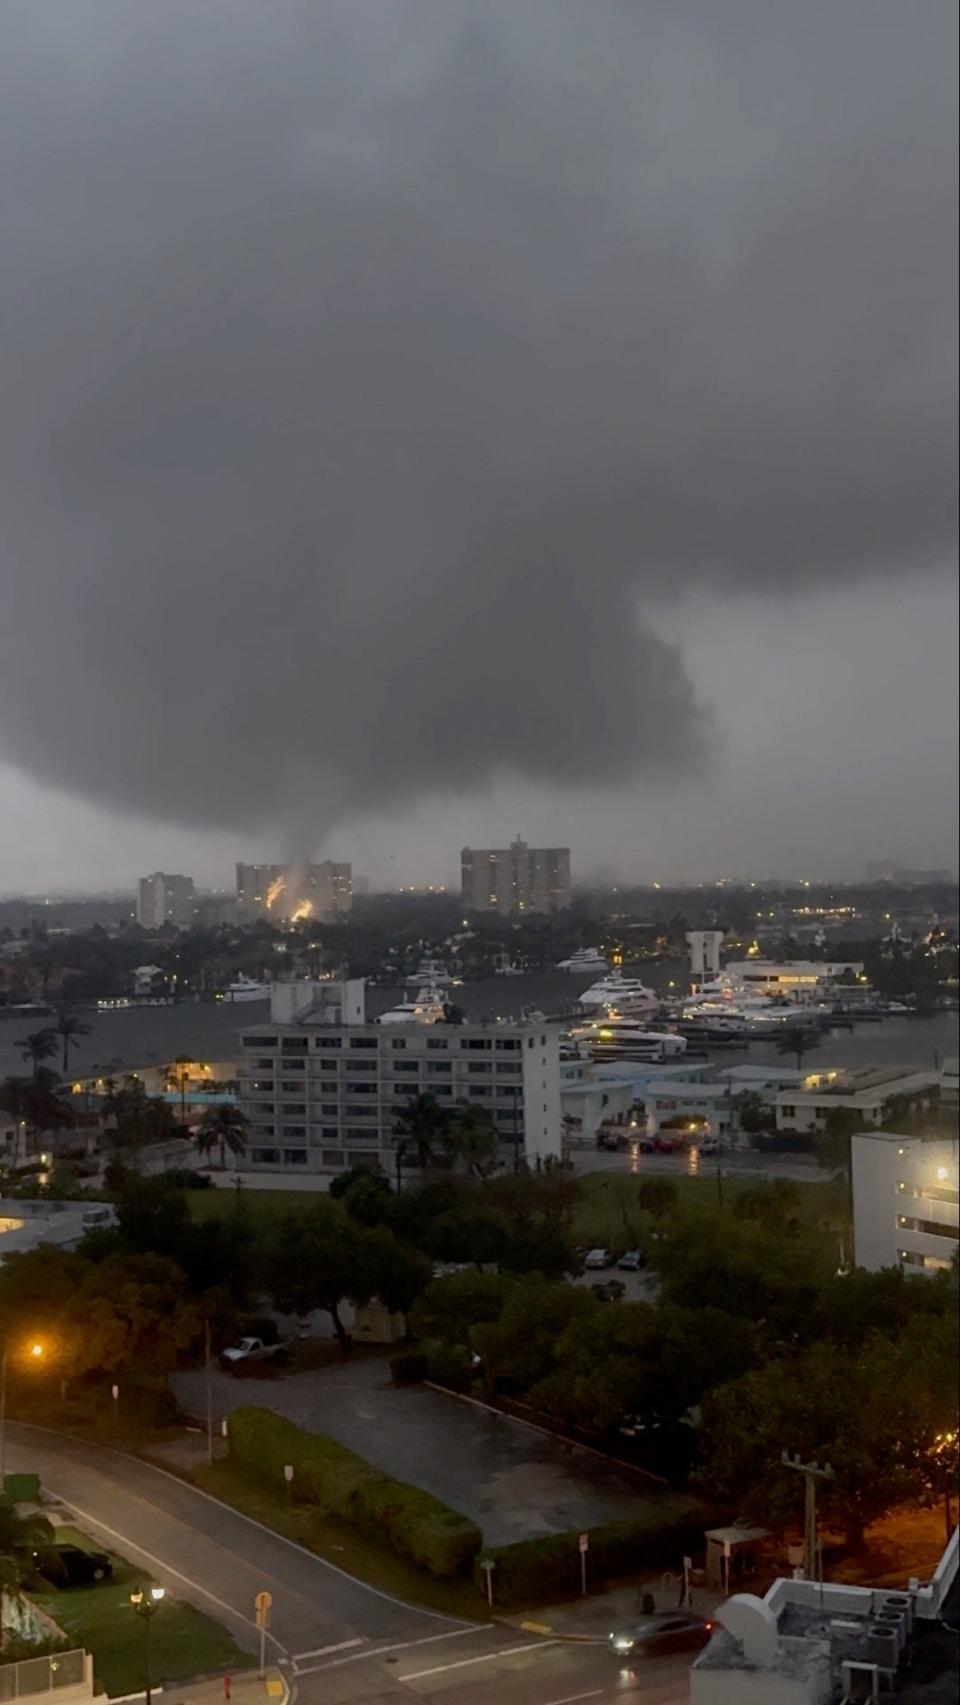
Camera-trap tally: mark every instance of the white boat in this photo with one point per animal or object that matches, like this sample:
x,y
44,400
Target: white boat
x,y
429,1007
429,974
628,996
625,1039
246,989
585,959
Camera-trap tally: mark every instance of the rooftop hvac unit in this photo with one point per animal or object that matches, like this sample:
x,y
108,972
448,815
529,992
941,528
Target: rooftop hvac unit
x,y
896,1620
861,1683
881,1646
900,1601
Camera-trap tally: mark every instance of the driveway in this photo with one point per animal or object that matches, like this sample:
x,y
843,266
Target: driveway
x,y
514,1482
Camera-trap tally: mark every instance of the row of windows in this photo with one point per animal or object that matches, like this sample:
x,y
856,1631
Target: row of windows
x,y
929,1193
933,1228
301,1044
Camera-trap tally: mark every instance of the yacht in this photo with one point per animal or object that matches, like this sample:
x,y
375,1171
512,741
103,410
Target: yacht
x,y
626,1039
246,989
429,974
585,959
429,1007
627,995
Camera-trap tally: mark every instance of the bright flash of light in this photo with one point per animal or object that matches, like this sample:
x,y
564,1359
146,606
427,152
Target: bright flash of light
x,y
301,912
274,891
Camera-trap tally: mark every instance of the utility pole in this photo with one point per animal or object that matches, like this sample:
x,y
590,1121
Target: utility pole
x,y
208,1374
812,1472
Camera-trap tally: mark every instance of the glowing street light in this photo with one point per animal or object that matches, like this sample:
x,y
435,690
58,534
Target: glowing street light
x,y
146,1604
35,1353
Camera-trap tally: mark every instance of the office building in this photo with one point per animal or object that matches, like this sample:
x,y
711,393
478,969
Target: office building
x,y
515,879
164,899
291,893
322,1089
704,945
906,1201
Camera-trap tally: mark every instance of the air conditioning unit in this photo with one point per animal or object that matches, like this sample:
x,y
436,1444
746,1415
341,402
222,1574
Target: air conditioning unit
x,y
899,1601
882,1646
896,1620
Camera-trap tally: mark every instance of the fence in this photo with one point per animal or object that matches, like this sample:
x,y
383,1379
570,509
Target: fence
x,y
43,1675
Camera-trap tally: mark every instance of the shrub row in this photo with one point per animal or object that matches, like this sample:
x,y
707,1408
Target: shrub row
x,y
537,1570
417,1526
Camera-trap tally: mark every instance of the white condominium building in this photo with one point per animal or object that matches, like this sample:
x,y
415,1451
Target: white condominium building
x,y
906,1201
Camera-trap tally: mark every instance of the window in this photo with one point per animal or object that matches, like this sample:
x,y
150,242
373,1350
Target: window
x,y
364,1066
476,1090
507,1045
398,1043
788,1112
326,1041
437,1042
441,1089
293,1107
294,1130
258,1041
481,1067
291,1086
294,1157
933,1228
504,1069
475,1042
929,1193
330,1131
436,1066
506,1093
329,1110
294,1044
264,1086
363,1041
264,1157
292,1065
262,1065
361,1088
357,1110
261,1108
406,1065
331,1157
357,1134
530,1042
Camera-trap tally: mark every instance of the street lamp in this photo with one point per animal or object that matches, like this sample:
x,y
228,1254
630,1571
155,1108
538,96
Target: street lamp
x,y
35,1353
146,1605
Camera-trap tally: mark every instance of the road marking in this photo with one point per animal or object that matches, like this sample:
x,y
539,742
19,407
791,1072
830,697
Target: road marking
x,y
322,1651
138,1463
401,1646
127,1544
486,1658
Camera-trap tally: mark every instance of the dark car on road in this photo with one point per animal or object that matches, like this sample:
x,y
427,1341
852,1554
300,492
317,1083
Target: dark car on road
x,y
71,1566
666,1631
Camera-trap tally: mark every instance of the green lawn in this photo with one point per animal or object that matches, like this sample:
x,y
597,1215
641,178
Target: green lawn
x,y
183,1643
339,1543
608,1212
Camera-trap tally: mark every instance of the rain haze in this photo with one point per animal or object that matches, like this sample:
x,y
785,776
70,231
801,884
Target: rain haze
x,y
427,420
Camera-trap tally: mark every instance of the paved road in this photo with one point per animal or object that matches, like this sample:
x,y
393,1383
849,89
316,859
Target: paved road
x,y
341,1642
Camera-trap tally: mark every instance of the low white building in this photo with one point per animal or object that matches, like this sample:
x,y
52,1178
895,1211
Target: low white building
x,y
605,1092
795,979
866,1091
906,1201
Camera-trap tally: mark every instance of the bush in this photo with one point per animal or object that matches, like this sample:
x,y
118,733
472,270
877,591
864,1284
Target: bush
x,y
448,1368
408,1367
417,1526
538,1570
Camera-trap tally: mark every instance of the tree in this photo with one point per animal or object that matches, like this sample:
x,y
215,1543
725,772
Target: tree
x,y
451,1309
69,1027
223,1127
133,1312
657,1196
520,1348
773,1203
866,1414
473,1138
471,1232
753,1113
398,1275
38,1046
798,1040
423,1125
318,1259
21,1537
365,1194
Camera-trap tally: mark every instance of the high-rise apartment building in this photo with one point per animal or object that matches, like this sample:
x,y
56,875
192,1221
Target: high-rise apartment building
x,y
323,1090
515,879
164,899
293,893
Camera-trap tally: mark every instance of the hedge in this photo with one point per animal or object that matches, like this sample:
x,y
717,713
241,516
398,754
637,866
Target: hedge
x,y
417,1526
538,1570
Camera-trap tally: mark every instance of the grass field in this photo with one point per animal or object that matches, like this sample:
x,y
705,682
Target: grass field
x,y
609,1213
183,1643
215,1204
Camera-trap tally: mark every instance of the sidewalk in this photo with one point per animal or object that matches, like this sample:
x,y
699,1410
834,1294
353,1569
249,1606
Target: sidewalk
x,y
247,1688
593,1617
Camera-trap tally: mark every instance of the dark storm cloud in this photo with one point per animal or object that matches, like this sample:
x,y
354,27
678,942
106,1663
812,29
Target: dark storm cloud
x,y
374,372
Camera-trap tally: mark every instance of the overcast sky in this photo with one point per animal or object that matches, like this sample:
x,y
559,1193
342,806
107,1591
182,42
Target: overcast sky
x,y
426,420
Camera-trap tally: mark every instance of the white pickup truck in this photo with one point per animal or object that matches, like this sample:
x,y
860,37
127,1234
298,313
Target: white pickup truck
x,y
249,1350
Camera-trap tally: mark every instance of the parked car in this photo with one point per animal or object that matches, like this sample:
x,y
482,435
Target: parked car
x,y
71,1566
666,1631
710,1145
597,1259
669,1142
249,1350
646,1145
632,1261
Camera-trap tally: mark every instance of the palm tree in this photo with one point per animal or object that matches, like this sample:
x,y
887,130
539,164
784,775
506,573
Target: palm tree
x,y
424,1123
69,1027
223,1127
15,1101
179,1080
473,1138
797,1039
40,1045
21,1537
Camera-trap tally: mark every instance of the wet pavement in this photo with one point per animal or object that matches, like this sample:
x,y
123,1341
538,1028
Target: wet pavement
x,y
514,1481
